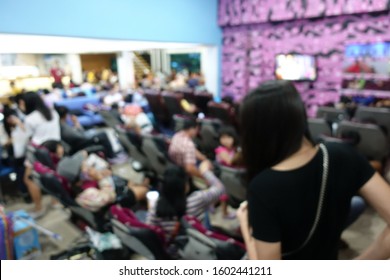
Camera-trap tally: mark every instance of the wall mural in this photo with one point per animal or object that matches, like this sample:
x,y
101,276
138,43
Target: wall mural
x,y
239,12
249,52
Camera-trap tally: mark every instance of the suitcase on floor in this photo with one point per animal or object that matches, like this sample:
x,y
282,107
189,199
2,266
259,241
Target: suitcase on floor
x,y
6,237
26,240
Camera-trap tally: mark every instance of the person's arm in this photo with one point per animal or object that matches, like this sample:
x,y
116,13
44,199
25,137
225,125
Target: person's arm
x,y
17,122
29,127
225,158
256,249
199,156
237,159
189,161
192,170
215,189
377,193
76,123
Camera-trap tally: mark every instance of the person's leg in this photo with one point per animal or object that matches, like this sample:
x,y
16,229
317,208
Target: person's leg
x,y
358,205
102,139
82,145
34,190
20,170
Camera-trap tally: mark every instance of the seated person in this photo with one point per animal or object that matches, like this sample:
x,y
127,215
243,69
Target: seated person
x,y
201,87
16,146
193,80
226,152
182,150
140,99
76,137
91,180
113,96
135,118
174,201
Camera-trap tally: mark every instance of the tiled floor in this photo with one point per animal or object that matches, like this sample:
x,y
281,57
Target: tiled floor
x,y
358,236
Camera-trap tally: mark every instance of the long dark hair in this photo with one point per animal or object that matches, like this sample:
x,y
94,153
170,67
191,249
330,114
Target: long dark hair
x,y
35,103
51,145
8,112
172,200
273,124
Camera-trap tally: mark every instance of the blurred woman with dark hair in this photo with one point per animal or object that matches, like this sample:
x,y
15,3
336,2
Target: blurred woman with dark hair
x,y
41,124
300,194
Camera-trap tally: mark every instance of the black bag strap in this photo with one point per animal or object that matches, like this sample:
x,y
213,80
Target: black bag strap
x,y
325,170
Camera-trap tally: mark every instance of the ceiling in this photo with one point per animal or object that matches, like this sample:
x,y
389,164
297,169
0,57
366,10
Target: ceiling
x,y
15,43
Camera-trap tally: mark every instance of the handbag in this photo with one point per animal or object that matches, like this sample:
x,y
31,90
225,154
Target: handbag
x,y
325,170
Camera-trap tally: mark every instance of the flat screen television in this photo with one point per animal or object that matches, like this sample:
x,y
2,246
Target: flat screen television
x,y
366,69
295,67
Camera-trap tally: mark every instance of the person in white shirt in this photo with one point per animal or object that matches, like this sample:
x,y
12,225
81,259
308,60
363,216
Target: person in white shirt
x,y
136,119
40,124
114,96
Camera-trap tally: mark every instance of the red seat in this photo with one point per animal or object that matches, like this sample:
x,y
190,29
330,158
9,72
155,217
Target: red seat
x,y
172,102
201,100
188,94
157,106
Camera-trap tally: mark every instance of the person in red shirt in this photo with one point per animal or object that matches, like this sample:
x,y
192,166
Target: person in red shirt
x,y
359,66
57,73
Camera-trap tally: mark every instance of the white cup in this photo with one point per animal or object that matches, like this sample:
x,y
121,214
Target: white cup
x,y
152,197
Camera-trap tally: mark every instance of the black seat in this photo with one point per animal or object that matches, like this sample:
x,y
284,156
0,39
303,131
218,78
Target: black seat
x,y
372,141
157,106
332,115
50,184
319,127
233,180
208,136
381,117
156,150
172,102
222,111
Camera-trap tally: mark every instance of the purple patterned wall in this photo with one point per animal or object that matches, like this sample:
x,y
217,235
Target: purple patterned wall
x,y
249,52
239,12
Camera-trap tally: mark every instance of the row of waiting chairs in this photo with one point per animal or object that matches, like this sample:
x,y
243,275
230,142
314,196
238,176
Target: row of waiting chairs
x,y
151,152
134,234
370,123
372,140
379,116
165,105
